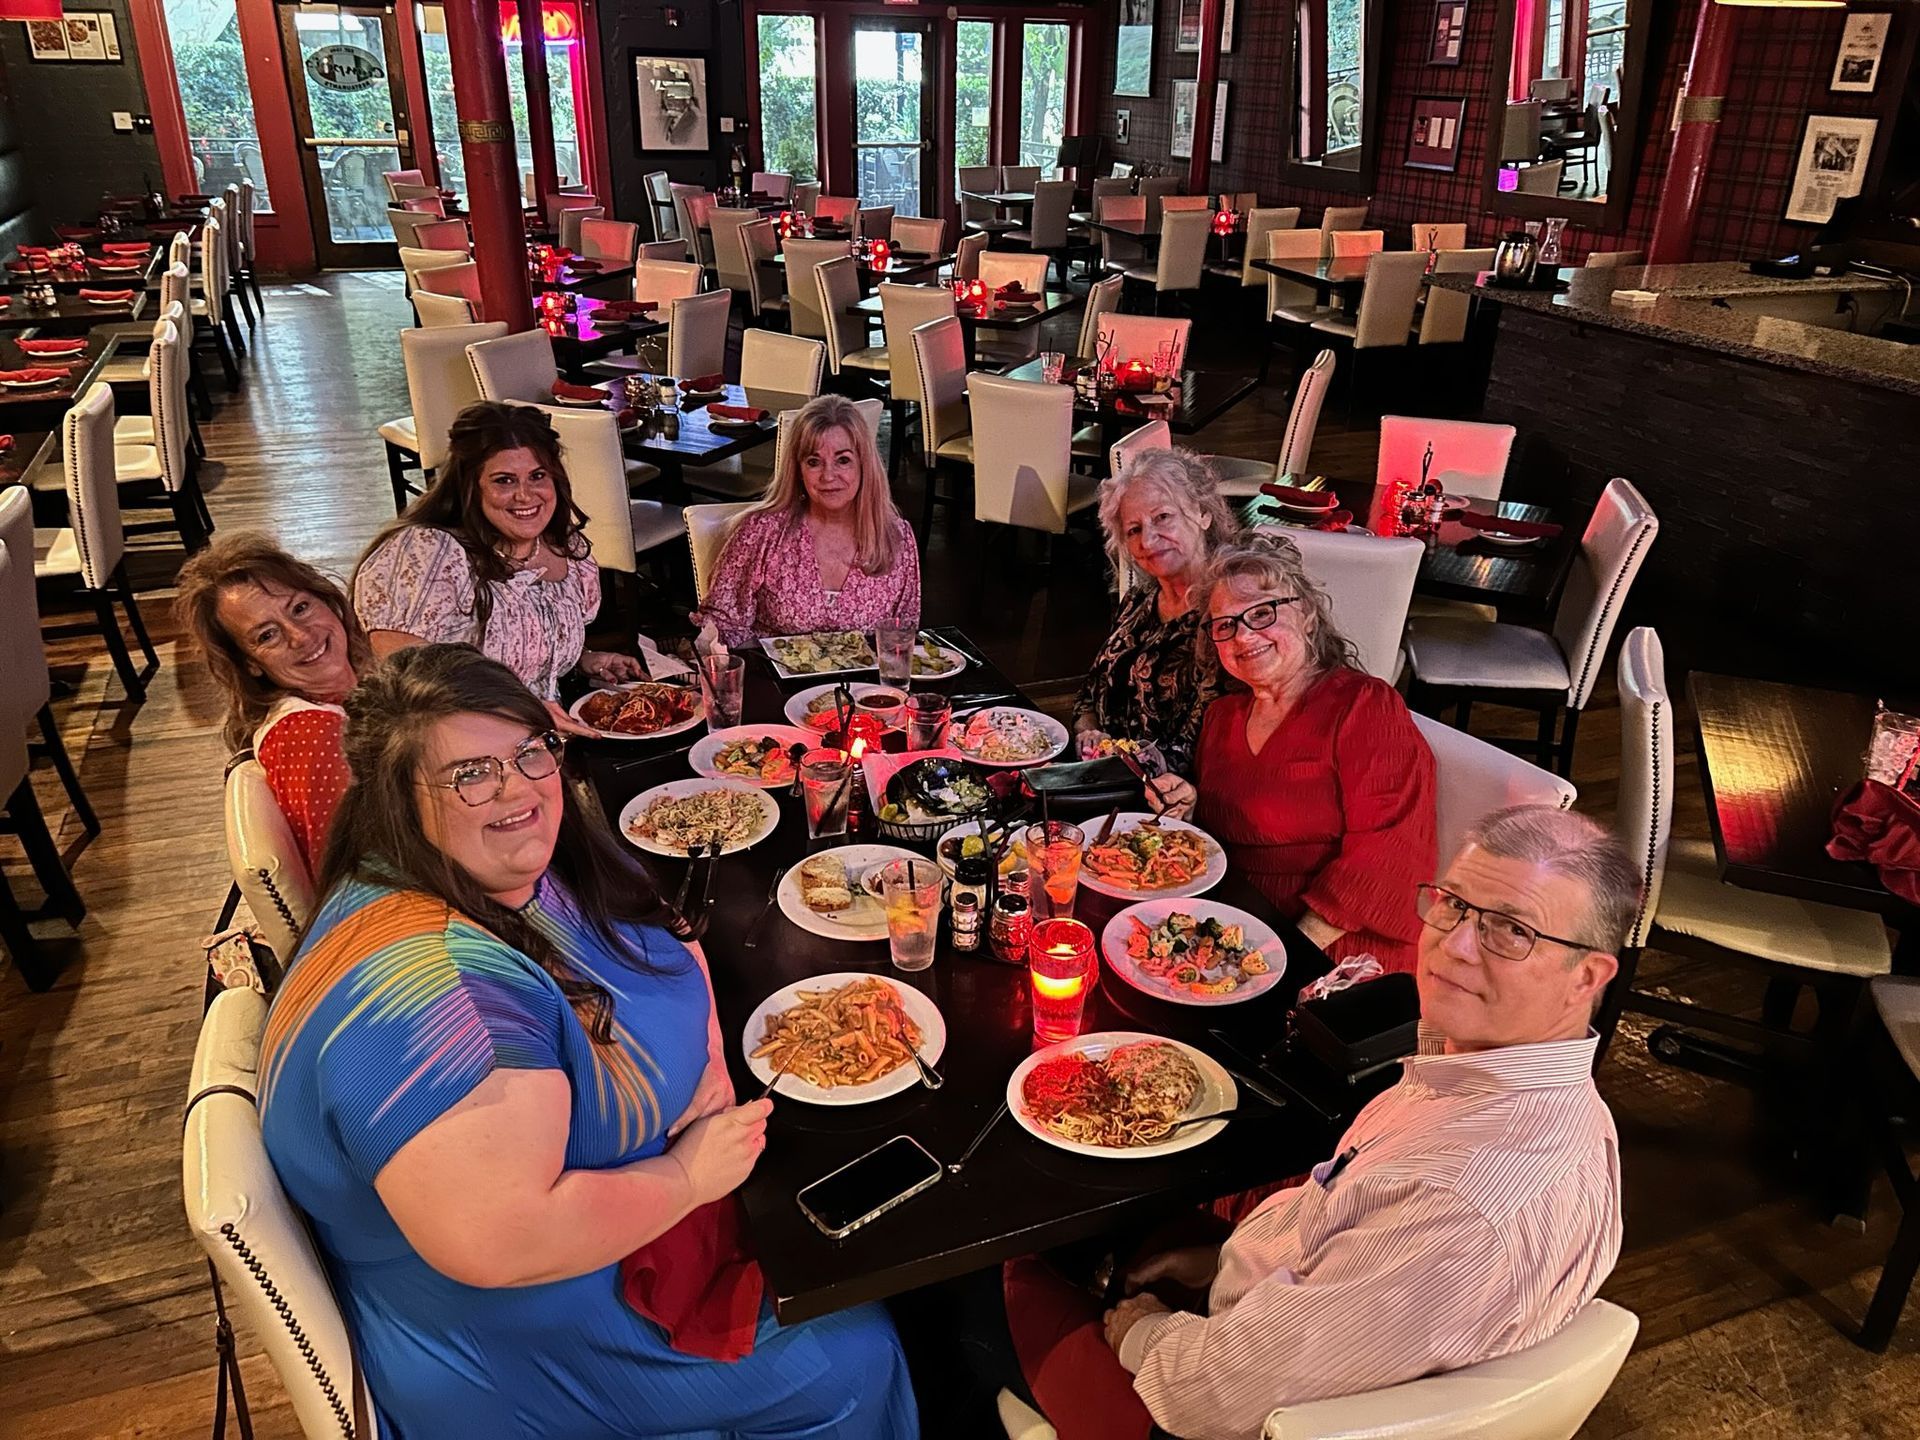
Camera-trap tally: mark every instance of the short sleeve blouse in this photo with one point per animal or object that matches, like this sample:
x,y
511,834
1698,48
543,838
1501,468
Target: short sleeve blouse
x,y
767,582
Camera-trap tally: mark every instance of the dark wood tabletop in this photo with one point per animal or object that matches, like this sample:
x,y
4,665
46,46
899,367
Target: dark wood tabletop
x,y
1017,1195
579,336
695,440
1344,272
41,407
23,454
616,280
1201,397
1004,199
899,265
69,314
91,277
1774,758
997,315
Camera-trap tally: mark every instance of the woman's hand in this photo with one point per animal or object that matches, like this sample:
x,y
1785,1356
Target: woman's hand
x,y
565,723
1191,1267
1172,796
607,667
717,1151
1088,737
713,1094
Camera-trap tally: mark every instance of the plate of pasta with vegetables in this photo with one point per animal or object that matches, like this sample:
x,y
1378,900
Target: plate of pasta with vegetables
x,y
1120,1095
1193,952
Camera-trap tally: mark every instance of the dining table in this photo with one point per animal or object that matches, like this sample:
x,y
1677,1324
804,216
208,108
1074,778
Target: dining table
x,y
1343,275
40,407
1016,1194
1222,246
92,277
990,314
69,314
581,335
686,434
900,266
608,280
1194,401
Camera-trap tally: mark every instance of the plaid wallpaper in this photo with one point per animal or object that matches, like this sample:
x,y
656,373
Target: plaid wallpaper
x,y
1782,63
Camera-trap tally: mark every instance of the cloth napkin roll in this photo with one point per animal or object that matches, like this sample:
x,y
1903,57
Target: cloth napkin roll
x,y
71,346
714,381
1294,495
567,390
105,295
131,248
718,411
33,374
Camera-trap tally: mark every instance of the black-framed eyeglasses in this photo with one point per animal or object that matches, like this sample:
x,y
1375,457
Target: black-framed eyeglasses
x,y
1254,617
480,780
1500,933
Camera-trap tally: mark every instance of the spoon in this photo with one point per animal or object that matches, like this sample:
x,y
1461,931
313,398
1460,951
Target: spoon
x,y
929,1077
985,1130
794,752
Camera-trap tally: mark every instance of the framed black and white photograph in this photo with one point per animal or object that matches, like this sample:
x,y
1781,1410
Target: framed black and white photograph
x,y
1434,141
1186,95
1857,66
670,102
1186,35
1832,166
1133,48
1449,32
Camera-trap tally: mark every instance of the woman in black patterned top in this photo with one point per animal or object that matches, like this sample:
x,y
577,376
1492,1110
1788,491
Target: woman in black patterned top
x,y
1163,517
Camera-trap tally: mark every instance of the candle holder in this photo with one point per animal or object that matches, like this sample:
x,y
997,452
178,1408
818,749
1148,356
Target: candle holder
x,y
1060,969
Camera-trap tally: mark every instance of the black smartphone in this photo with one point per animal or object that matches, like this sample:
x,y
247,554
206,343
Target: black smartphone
x,y
861,1190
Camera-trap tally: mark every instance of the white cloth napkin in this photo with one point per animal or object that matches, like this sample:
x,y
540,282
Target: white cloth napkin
x,y
660,666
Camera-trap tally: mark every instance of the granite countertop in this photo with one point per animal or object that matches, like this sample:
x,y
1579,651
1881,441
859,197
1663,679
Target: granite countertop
x,y
1685,312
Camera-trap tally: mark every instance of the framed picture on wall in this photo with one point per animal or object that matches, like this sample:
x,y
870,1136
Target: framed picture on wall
x,y
1186,35
1133,49
82,35
1434,142
1834,153
1857,66
1186,97
47,39
1449,32
670,102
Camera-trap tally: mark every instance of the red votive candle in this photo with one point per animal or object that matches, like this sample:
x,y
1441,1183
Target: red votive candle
x,y
1060,966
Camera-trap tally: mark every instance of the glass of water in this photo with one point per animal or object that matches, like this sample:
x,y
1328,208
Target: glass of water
x,y
1052,362
893,647
826,783
913,890
723,683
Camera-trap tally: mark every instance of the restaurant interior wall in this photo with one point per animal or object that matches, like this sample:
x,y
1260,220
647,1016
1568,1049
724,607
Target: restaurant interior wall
x,y
19,214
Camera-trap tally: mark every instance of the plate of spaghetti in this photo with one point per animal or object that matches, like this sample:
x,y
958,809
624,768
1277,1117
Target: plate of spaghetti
x,y
640,712
669,818
843,1039
1116,1095
1144,855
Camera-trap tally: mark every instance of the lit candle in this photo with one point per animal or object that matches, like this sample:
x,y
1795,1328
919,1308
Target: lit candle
x,y
1060,965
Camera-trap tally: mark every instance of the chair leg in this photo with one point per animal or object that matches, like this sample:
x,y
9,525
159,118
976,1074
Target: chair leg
x,y
227,366
397,473
896,438
63,767
232,324
197,386
186,518
1543,736
1462,712
31,826
25,950
1896,1279
196,442
117,645
1567,729
123,589
238,293
253,283
1614,1001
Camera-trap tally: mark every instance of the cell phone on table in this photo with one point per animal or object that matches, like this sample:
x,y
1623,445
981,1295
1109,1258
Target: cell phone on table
x,y
865,1189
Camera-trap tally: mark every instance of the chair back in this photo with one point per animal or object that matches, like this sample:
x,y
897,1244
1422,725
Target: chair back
x,y
572,218
841,209
1337,218
1155,191
1544,1392
1541,179
1437,235
436,311
93,489
614,240
664,280
876,222
443,235
1052,204
1444,320
396,178
870,409
805,316
788,363
557,206
596,468
1019,179
415,260
1394,282
940,356
671,251
729,259
966,256
1137,337
1172,204
1022,451
442,381
1643,816
1183,248
1344,244
1103,298
1118,250
921,236
1473,778
905,308
981,180
167,398
1469,456
23,650
1612,549
259,1244
514,367
806,195
265,859
213,270
1111,185
1601,259
245,216
697,333
1007,267
1241,200
1369,579
175,284
1296,444
429,204
707,529
666,222
838,283
1298,245
461,281
1259,223
685,226
774,184
758,266
236,253
406,223
1154,435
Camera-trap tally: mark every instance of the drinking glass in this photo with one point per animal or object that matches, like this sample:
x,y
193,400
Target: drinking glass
x,y
893,646
826,783
723,681
1051,364
1053,853
912,890
927,714
1060,971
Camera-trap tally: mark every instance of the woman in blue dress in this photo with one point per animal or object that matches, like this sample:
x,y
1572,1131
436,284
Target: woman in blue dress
x,y
490,1076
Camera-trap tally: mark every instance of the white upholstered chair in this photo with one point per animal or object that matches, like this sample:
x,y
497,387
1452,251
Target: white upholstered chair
x,y
1012,267
161,464
980,214
1137,337
661,209
836,209
1601,259
966,256
1154,435
729,260
774,184
212,316
460,281
1385,316
1046,230
416,260
1261,221
620,529
946,436
707,528
1154,190
1242,478
1294,302
436,312
265,859
803,257
904,309
875,222
440,384
443,235
615,241
1119,253
1443,320
769,360
396,178
838,283
1473,778
1440,235
1469,456
661,250
917,235
1103,298
514,367
697,333
1023,454
406,224
664,280
1336,218
1183,252
1019,179
766,292
1369,579
806,196
870,411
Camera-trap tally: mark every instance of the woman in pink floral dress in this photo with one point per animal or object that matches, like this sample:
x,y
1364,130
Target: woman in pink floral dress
x,y
826,549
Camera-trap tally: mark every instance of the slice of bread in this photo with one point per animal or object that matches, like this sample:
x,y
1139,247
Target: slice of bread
x,y
823,884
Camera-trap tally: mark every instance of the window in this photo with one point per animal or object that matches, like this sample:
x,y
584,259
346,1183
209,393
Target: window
x,y
1043,93
789,105
438,65
214,93
973,94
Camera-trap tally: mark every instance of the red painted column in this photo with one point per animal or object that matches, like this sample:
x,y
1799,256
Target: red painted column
x,y
1199,167
533,56
493,171
1676,216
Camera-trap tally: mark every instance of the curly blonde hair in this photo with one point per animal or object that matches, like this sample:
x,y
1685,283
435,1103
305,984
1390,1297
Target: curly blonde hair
x,y
1267,560
1184,478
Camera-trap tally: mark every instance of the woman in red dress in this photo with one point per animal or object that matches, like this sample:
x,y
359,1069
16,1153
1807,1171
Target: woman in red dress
x,y
1313,776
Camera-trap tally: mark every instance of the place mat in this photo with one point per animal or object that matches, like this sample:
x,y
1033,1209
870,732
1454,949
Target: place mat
x,y
1500,525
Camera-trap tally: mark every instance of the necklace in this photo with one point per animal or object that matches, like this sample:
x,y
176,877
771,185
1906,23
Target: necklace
x,y
518,562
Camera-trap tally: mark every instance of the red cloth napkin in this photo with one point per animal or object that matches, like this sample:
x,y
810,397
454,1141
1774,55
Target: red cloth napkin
x,y
33,374
704,382
6,443
34,249
717,411
1294,495
581,262
1881,825
698,1283
567,390
71,346
126,247
624,309
104,295
1498,525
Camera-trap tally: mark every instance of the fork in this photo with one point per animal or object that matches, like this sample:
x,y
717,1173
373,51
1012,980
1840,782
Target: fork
x,y
753,931
686,881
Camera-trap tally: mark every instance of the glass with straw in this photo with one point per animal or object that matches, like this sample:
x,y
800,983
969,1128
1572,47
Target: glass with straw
x,y
912,890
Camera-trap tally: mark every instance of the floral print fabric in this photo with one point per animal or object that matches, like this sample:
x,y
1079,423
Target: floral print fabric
x,y
1148,682
768,583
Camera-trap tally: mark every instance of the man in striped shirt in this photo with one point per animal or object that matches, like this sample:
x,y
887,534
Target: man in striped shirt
x,y
1471,1209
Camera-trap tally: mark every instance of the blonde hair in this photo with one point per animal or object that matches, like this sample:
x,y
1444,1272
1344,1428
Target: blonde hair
x,y
1190,483
875,517
1269,561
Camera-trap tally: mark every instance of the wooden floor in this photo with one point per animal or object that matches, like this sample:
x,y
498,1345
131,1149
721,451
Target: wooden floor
x,y
105,1320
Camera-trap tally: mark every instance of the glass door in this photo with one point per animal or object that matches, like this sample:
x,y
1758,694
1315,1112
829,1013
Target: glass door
x,y
342,67
892,114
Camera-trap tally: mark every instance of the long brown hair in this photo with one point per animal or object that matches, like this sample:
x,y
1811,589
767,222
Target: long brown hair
x,y
874,514
378,835
251,557
452,502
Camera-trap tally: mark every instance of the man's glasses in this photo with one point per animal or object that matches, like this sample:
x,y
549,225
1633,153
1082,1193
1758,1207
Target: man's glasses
x,y
1254,617
480,780
1500,933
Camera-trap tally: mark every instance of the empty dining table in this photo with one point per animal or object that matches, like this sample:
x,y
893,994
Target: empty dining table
x,y
1342,274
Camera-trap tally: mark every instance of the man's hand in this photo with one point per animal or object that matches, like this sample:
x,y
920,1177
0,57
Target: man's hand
x,y
1124,1316
1191,1268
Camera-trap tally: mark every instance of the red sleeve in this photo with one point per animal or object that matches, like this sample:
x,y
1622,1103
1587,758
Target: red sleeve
x,y
1387,844
306,766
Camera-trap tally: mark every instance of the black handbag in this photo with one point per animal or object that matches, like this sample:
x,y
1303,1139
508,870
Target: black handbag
x,y
1357,1030
1086,787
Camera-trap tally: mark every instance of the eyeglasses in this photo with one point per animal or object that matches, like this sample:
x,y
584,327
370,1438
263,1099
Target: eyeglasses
x,y
1254,617
480,780
1500,933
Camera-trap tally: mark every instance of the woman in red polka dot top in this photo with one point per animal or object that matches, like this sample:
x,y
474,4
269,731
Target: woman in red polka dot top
x,y
282,642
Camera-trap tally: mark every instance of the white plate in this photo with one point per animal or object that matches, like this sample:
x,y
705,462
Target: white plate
x,y
972,827
699,715
796,707
769,812
922,1011
1113,944
1302,509
1509,542
1217,1092
955,661
1215,872
866,918
786,672
716,423
1050,729
708,397
581,404
92,301
701,757
33,384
